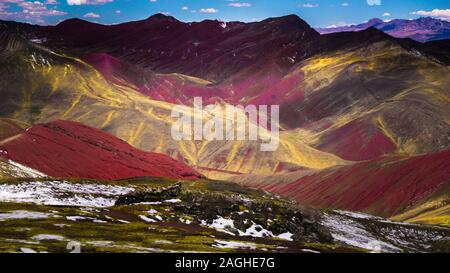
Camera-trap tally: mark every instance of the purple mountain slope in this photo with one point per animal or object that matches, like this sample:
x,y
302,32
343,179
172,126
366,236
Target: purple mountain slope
x,y
422,29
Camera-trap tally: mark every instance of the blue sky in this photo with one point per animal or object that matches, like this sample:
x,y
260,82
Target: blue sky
x,y
318,13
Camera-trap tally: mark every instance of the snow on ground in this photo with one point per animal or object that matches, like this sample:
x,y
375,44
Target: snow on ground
x,y
24,214
62,193
256,231
173,201
350,228
53,237
310,251
27,250
227,226
149,203
233,245
152,212
24,171
82,218
286,236
146,219
358,215
221,224
350,232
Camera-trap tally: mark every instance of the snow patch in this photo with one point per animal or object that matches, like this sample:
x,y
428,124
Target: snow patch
x,y
227,225
24,171
23,214
357,215
53,237
233,245
310,251
286,236
222,224
350,232
81,218
27,250
149,203
62,193
173,201
256,231
152,212
146,219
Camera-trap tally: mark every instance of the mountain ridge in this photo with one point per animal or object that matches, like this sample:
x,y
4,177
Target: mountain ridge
x,y
423,29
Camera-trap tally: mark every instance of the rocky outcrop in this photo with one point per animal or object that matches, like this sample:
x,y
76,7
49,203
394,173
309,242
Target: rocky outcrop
x,y
149,195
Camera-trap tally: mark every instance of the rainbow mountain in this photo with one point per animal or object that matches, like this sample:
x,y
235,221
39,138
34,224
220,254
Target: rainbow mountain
x,y
364,116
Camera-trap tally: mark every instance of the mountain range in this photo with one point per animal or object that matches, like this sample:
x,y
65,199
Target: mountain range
x,y
364,116
423,29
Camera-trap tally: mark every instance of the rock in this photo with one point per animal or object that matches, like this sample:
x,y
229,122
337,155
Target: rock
x,y
150,195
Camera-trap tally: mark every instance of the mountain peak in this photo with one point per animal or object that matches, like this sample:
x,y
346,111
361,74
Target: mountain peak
x,y
159,17
375,21
292,22
72,21
75,22
374,31
292,19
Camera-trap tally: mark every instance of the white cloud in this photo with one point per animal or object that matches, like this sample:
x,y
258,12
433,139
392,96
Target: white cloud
x,y
153,1
91,15
345,4
29,11
240,5
118,11
310,5
185,8
443,14
38,9
339,24
386,14
374,2
87,2
209,10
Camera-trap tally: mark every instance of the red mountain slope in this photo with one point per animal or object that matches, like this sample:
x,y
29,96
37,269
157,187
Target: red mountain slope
x,y
68,149
357,141
384,186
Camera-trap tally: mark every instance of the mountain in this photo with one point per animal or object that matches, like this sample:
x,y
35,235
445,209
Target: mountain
x,y
360,96
421,29
385,186
364,127
368,94
71,150
55,86
211,50
351,83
